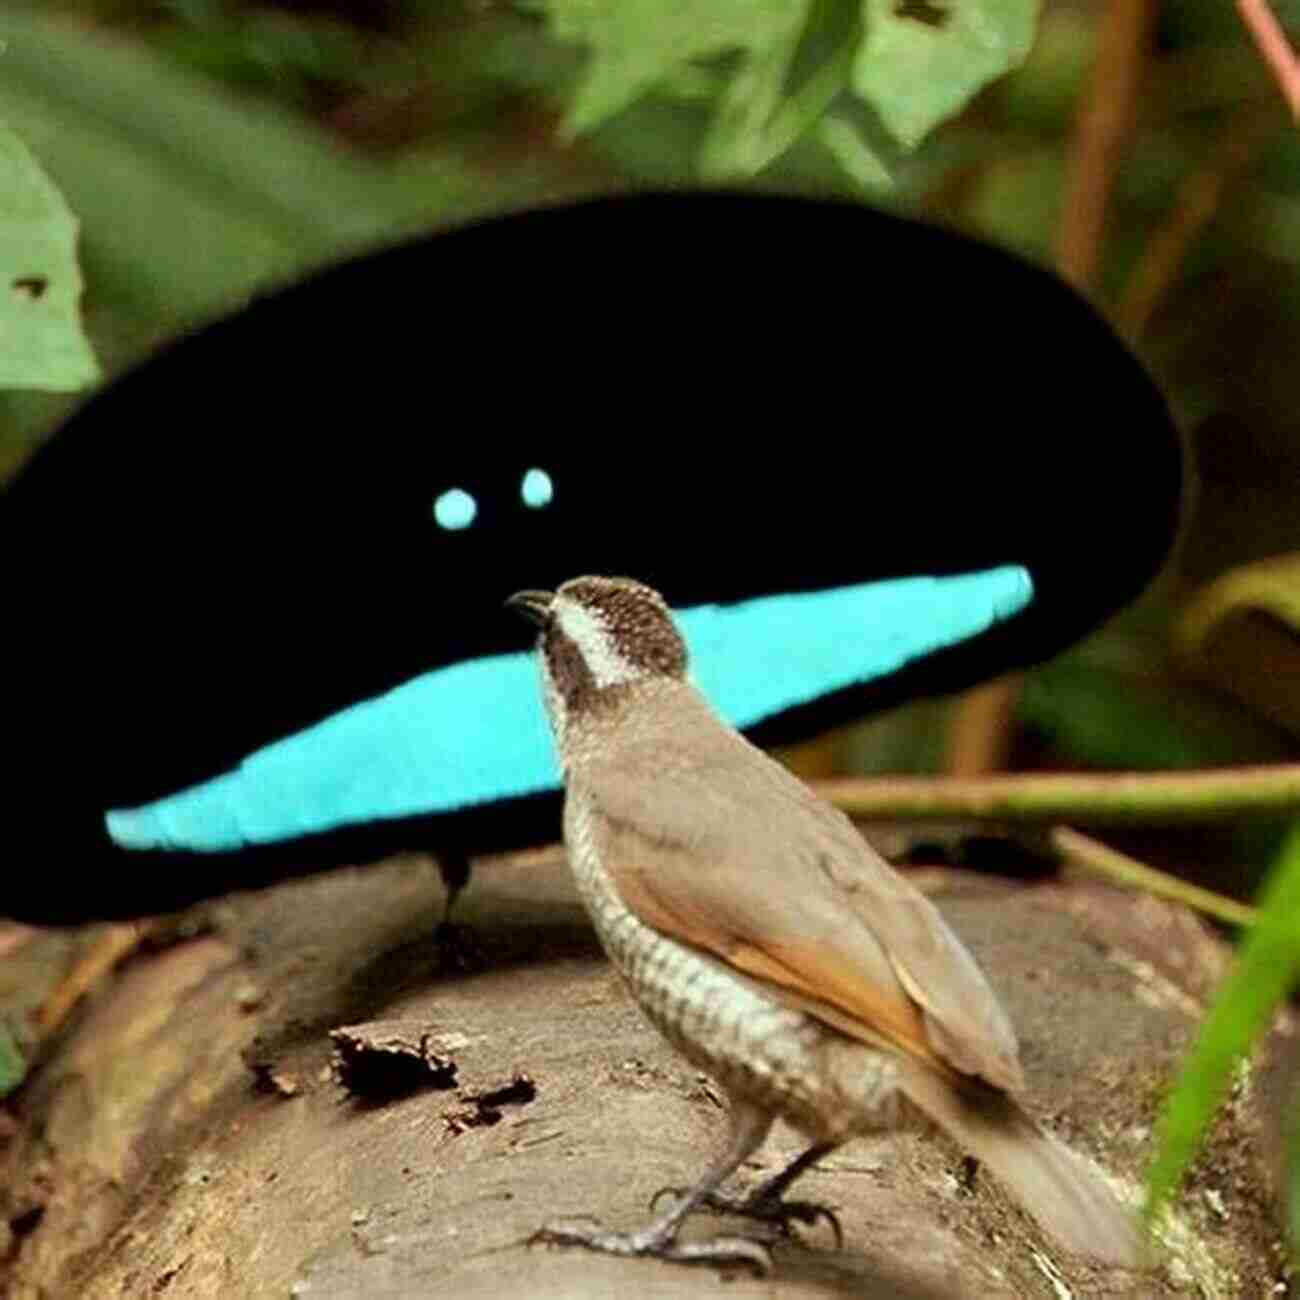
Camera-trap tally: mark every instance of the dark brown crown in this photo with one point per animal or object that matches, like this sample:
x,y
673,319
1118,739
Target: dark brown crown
x,y
632,636
638,619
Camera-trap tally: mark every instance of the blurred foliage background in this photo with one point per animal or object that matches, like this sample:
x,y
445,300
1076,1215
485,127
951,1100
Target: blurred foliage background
x,y
210,146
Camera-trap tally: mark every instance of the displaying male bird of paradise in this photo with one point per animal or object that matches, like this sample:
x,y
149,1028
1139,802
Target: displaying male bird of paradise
x,y
254,587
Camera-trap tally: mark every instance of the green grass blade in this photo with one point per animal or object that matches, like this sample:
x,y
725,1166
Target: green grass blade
x,y
1265,971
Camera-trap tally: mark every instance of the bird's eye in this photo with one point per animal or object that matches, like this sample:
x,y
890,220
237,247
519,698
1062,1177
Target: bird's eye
x,y
455,509
537,490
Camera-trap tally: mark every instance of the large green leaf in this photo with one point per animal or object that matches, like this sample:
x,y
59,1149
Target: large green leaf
x,y
191,197
923,60
41,343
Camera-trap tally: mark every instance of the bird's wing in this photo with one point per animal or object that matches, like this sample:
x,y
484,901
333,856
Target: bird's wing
x,y
710,842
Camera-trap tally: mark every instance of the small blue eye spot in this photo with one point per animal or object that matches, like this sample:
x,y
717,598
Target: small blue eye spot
x,y
537,490
455,509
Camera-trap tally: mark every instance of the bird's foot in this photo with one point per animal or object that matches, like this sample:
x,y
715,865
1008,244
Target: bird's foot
x,y
765,1206
660,1242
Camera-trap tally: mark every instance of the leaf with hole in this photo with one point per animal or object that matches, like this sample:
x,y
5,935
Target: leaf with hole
x,y
923,60
41,340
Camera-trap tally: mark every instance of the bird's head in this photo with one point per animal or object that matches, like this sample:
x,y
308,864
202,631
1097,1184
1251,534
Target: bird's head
x,y
599,638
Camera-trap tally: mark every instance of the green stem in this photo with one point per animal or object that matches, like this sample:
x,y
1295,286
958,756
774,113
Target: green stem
x,y
1120,798
1100,859
809,102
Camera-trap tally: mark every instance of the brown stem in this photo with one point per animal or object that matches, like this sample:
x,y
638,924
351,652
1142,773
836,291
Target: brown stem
x,y
1105,116
1197,203
979,737
1274,48
111,946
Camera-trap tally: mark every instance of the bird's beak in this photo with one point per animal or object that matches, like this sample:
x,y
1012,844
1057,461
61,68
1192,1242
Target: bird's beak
x,y
534,605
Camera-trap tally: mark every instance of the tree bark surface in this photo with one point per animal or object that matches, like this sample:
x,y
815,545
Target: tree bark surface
x,y
186,1135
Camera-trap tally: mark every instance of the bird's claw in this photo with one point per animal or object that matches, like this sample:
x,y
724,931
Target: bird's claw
x,y
666,1191
809,1213
765,1209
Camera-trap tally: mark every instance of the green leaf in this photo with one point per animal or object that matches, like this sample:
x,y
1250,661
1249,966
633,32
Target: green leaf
x,y
636,44
1107,717
740,140
1242,632
781,91
41,343
923,60
1269,587
789,59
13,1068
782,64
1265,971
854,153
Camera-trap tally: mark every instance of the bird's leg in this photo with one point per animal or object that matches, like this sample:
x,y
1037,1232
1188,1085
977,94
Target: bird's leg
x,y
749,1126
458,950
766,1202
453,867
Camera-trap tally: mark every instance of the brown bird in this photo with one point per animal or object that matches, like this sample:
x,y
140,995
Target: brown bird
x,y
770,944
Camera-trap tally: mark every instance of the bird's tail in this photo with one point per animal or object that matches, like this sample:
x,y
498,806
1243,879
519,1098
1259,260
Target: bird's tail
x,y
1065,1194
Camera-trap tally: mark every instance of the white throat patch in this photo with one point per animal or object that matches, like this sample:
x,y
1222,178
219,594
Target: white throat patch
x,y
590,633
